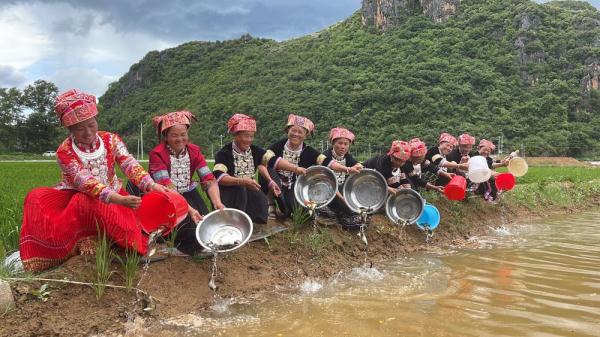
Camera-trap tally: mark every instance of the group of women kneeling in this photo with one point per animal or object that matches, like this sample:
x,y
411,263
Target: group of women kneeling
x,y
64,220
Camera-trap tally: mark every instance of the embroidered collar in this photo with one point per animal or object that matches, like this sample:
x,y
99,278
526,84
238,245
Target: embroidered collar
x,y
237,150
336,156
87,148
288,147
181,153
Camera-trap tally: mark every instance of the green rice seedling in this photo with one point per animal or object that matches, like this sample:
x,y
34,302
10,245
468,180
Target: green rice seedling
x,y
104,258
318,240
42,293
171,240
130,265
300,217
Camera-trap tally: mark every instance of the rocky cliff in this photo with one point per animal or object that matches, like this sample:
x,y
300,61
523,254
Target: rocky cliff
x,y
385,14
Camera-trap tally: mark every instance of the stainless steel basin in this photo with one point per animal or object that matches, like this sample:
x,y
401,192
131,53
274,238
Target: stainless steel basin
x,y
224,230
365,191
316,188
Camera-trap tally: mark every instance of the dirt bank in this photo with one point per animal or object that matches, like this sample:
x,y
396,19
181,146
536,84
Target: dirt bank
x,y
180,283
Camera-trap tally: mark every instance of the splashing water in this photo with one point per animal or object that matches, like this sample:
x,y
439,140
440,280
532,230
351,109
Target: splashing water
x,y
310,286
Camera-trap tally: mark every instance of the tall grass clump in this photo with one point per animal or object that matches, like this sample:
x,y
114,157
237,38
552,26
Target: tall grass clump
x,y
130,263
104,258
300,217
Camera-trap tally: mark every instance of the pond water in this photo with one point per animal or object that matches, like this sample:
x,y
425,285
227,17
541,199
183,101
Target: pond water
x,y
536,279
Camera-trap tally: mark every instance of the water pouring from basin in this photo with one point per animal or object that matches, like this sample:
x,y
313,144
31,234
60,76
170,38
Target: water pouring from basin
x,y
224,230
316,188
405,206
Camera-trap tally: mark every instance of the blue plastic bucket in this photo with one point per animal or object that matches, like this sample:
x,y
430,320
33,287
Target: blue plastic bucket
x,y
429,219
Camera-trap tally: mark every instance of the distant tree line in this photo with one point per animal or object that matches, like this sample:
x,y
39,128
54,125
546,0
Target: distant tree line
x,y
27,120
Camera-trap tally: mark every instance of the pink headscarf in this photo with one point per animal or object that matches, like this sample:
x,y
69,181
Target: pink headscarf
x,y
446,137
336,133
487,143
417,147
163,122
300,121
241,122
75,106
466,139
399,149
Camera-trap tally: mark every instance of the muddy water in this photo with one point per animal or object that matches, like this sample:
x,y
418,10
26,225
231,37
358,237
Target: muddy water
x,y
538,279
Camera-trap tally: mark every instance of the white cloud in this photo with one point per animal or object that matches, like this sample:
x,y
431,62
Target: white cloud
x,y
71,47
82,78
21,40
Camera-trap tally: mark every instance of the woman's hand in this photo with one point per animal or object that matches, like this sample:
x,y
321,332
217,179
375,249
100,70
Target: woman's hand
x,y
159,188
249,183
130,201
219,205
439,189
392,190
194,214
352,170
274,188
300,171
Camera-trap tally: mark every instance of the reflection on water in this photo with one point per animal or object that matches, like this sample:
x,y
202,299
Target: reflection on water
x,y
540,279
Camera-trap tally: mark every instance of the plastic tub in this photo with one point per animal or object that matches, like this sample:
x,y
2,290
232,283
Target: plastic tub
x,y
429,219
479,171
505,181
456,188
518,166
162,209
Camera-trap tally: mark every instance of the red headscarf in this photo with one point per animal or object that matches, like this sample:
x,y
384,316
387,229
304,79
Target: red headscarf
x,y
417,147
399,149
336,133
466,139
75,106
294,120
487,143
163,122
241,122
446,137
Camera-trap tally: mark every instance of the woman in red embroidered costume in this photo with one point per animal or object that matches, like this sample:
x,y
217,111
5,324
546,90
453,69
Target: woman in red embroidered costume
x,y
173,163
63,221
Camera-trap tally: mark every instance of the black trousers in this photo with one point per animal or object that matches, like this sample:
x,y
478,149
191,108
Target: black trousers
x,y
286,201
185,239
254,203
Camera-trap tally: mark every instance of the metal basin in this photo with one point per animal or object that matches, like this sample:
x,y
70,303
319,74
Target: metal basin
x,y
224,230
405,206
316,188
365,191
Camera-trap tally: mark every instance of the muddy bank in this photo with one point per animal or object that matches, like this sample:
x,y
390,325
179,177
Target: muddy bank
x,y
180,284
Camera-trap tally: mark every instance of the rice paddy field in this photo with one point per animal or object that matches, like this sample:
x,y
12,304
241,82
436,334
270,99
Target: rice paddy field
x,y
541,185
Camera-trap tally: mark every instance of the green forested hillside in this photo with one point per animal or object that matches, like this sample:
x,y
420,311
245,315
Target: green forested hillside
x,y
498,67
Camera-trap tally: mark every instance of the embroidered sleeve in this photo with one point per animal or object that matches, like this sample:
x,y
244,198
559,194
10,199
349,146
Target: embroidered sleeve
x,y
129,165
266,159
158,169
205,174
75,175
220,169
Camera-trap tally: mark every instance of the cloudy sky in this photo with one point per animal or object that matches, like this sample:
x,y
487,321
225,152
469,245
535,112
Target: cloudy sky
x,y
88,44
